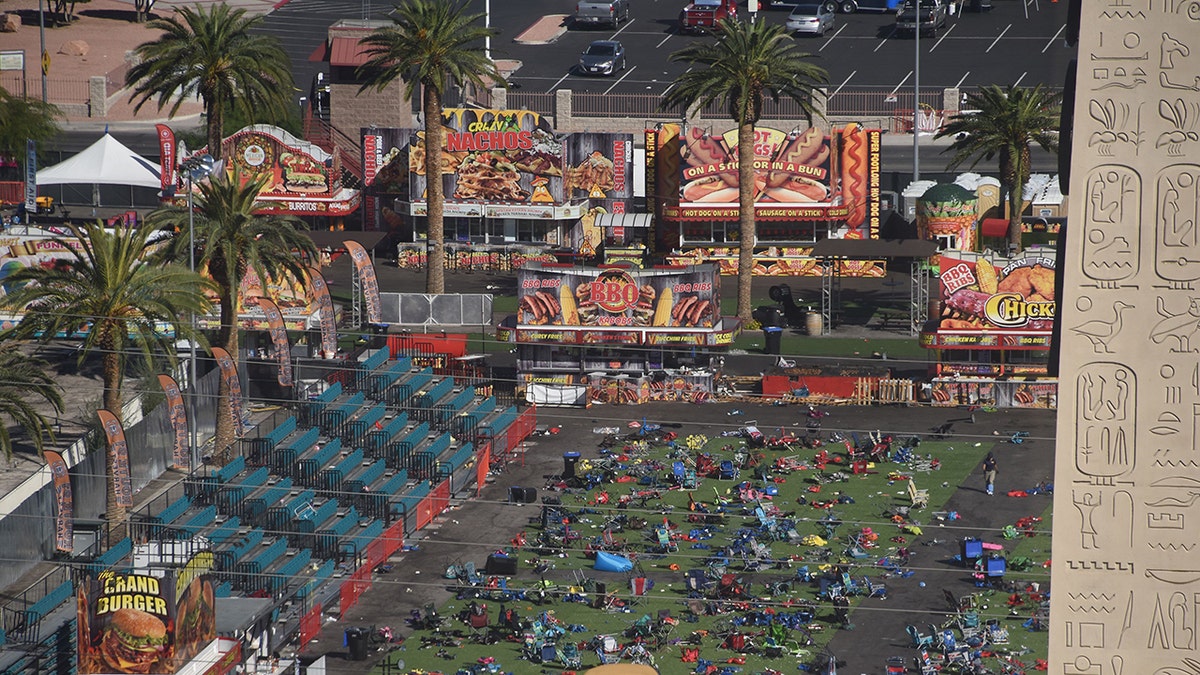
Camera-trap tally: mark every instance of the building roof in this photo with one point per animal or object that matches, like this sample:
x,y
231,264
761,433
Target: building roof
x,y
347,51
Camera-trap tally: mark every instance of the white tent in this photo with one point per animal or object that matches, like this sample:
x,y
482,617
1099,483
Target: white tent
x,y
105,162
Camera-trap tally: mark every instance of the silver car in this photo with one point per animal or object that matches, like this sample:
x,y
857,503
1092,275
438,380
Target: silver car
x,y
602,57
811,18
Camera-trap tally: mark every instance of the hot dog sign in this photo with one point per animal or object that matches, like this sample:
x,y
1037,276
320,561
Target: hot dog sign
x,y
618,298
800,175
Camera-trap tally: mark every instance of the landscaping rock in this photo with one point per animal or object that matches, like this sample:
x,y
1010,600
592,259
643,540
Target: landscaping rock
x,y
10,23
74,48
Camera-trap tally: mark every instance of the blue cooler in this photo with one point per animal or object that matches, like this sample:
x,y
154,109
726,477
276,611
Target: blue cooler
x,y
995,566
972,550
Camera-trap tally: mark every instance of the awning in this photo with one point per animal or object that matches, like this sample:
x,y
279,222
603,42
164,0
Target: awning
x,y
623,220
346,51
994,227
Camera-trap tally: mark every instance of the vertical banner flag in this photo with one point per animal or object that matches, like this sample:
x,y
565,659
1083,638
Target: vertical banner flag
x,y
166,151
177,414
114,433
279,337
367,279
64,522
324,303
30,177
229,374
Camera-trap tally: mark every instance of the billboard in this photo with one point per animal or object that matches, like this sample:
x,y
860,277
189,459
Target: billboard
x,y
512,161
138,623
617,305
801,175
984,306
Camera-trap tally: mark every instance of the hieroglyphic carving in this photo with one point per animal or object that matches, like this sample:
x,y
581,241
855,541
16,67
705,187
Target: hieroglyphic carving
x,y
1130,352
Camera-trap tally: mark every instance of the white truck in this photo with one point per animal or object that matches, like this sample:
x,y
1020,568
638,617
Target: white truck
x,y
601,12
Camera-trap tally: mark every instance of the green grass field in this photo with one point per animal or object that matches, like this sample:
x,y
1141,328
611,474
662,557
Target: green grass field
x,y
630,507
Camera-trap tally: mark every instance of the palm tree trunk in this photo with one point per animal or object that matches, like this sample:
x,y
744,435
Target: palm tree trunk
x,y
114,514
1011,174
227,338
435,281
747,234
216,127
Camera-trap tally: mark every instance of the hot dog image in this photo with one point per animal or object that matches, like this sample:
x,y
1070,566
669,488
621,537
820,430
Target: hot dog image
x,y
855,167
791,169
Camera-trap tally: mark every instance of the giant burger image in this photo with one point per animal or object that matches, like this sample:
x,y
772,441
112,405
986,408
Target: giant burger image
x,y
133,642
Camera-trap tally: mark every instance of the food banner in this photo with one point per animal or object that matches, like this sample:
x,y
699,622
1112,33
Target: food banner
x,y
573,305
502,157
118,449
803,175
139,624
177,414
366,277
1032,393
279,339
294,167
324,303
983,306
777,261
166,153
64,519
229,374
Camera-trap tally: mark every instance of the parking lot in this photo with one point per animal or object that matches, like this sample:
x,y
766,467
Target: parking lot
x,y
1017,42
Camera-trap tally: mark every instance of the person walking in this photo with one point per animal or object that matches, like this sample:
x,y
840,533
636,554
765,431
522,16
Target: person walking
x,y
989,472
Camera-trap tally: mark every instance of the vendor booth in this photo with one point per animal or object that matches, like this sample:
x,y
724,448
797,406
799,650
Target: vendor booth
x,y
515,189
992,330
616,334
809,186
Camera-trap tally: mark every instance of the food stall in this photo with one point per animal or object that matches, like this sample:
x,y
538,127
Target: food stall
x,y
617,334
992,333
302,179
809,186
515,189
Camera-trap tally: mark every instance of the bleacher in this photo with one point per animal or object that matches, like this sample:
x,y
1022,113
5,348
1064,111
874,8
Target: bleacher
x,y
313,493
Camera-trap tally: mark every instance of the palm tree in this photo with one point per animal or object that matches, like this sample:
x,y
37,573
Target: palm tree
x,y
21,118
25,378
434,44
109,287
231,239
746,63
213,53
1003,122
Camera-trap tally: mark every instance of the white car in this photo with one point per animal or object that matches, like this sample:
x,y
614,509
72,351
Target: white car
x,y
811,18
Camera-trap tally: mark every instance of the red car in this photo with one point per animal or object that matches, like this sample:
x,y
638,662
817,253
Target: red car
x,y
703,14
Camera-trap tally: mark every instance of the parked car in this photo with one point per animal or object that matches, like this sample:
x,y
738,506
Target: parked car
x,y
601,12
701,14
847,6
602,57
811,18
932,17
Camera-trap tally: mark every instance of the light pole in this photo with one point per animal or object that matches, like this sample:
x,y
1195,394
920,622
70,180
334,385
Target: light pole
x,y
194,169
917,94
487,24
42,33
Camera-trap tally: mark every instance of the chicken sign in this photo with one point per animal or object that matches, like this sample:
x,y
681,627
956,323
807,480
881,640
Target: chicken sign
x,y
985,304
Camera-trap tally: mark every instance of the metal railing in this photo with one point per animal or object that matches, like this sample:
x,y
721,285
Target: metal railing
x,y
58,90
586,104
537,102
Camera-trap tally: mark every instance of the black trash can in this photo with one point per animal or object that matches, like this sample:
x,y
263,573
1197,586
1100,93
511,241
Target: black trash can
x,y
356,643
773,339
570,459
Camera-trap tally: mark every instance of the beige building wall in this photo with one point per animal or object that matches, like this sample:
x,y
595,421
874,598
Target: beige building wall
x,y
1126,570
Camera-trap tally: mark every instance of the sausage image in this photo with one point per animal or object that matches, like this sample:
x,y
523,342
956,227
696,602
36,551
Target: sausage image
x,y
855,167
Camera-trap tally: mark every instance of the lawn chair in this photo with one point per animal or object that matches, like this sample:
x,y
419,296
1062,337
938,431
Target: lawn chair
x,y
727,470
470,575
918,641
570,657
548,653
896,666
995,633
697,583
639,587
477,620
665,545
851,586
874,590
607,649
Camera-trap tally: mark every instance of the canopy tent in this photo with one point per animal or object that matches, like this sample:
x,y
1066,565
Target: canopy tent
x,y
105,162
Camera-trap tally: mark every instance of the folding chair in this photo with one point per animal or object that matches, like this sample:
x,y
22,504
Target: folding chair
x,y
607,649
918,641
638,588
477,619
665,544
570,657
727,471
697,583
874,590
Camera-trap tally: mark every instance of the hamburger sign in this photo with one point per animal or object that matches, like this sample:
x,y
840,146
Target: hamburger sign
x,y
141,624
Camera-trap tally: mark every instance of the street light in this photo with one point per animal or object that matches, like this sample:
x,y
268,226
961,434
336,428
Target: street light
x,y
194,169
917,93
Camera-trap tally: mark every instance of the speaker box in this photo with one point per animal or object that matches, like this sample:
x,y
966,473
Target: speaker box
x,y
501,564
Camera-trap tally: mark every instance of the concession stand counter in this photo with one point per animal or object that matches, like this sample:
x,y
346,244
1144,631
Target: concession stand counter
x,y
991,330
616,334
809,186
515,189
